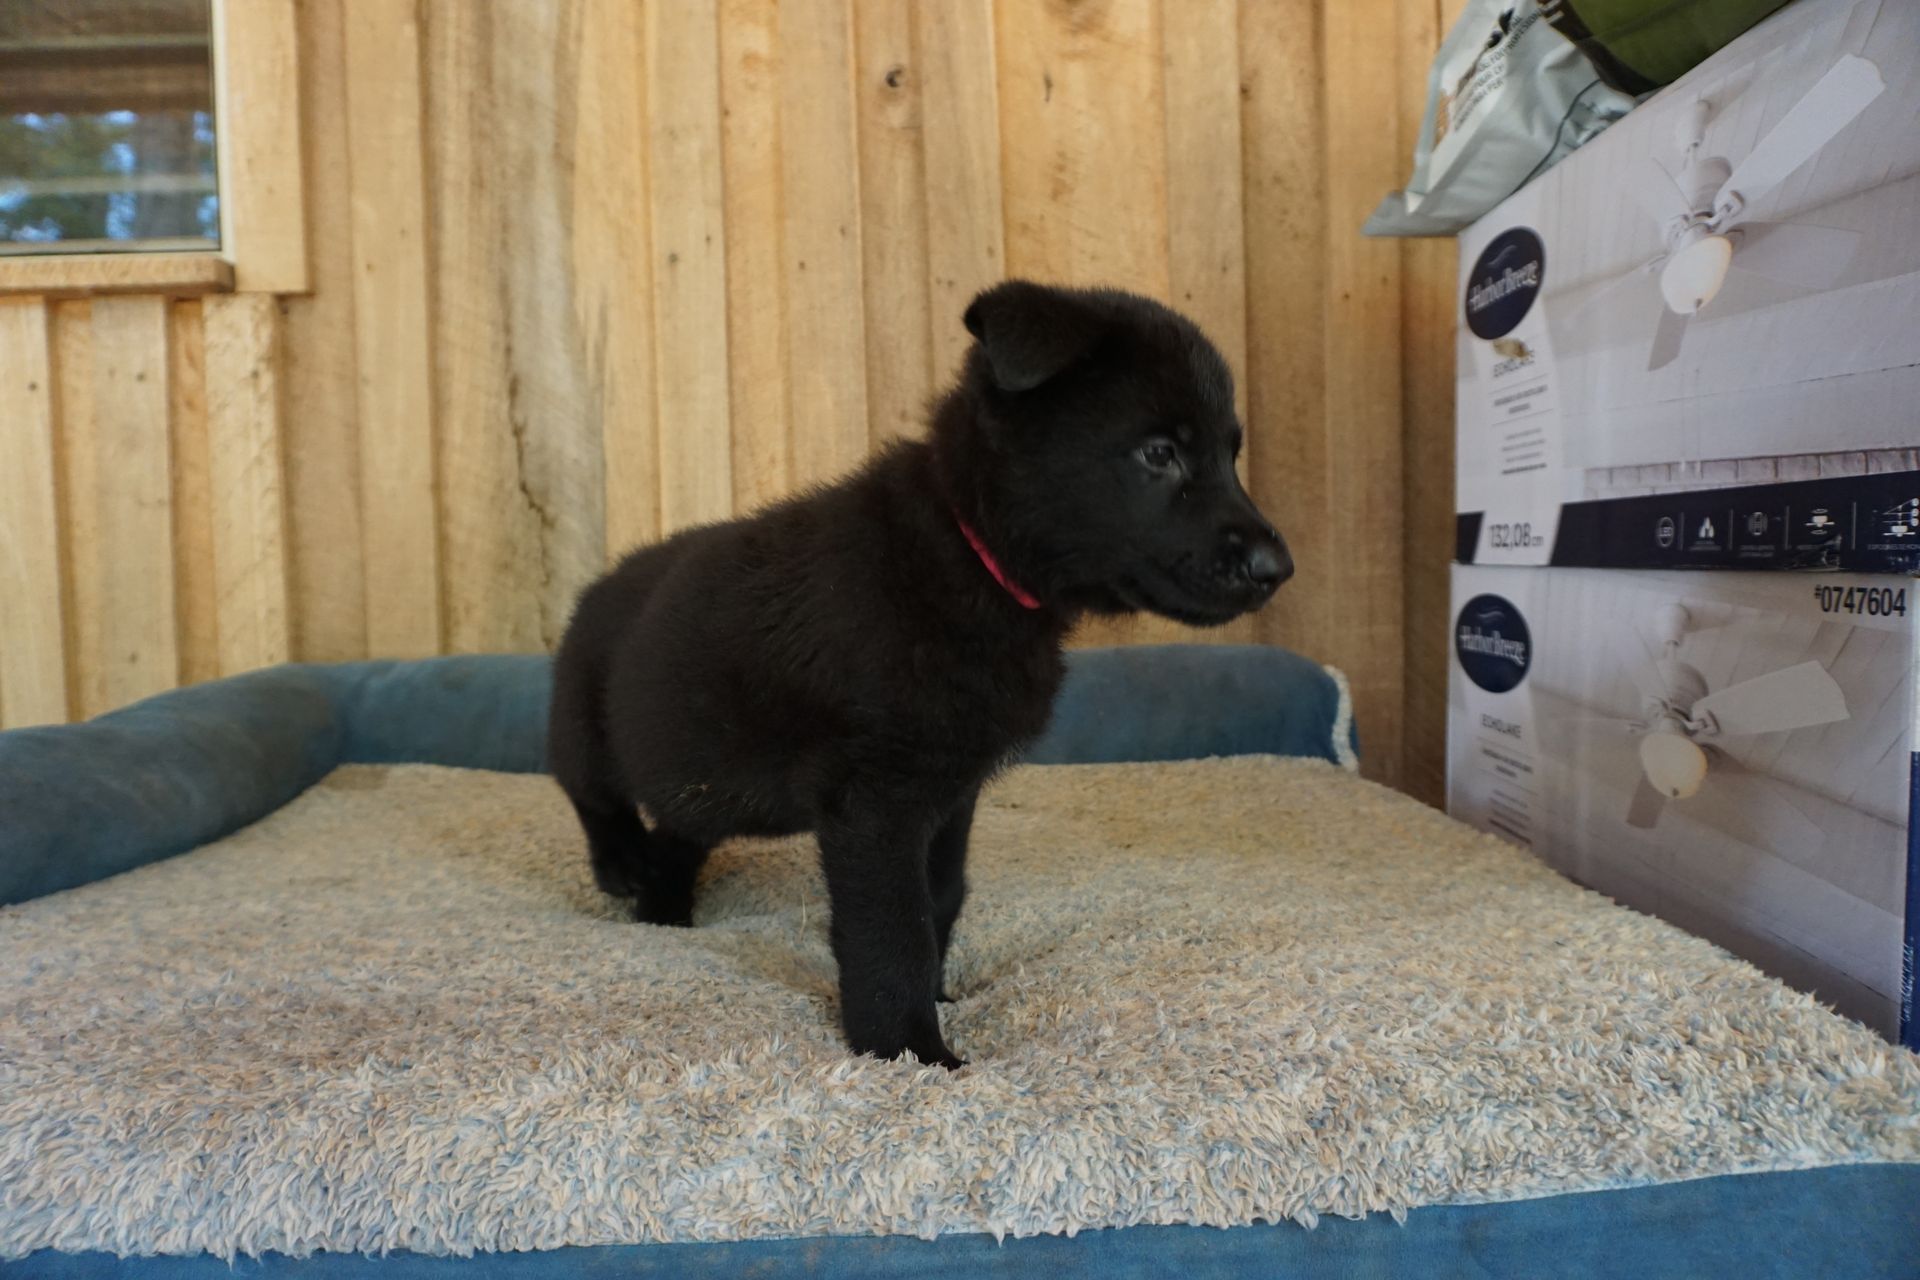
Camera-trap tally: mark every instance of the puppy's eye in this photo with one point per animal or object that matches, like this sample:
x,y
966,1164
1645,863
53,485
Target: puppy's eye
x,y
1159,455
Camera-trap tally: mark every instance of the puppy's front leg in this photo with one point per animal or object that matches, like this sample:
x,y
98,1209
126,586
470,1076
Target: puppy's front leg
x,y
883,934
947,879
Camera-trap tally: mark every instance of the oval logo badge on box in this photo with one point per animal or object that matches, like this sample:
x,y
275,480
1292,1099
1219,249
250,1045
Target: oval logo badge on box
x,y
1504,282
1493,643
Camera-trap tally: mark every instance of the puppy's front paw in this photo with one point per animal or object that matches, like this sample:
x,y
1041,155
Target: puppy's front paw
x,y
929,1049
939,1057
653,908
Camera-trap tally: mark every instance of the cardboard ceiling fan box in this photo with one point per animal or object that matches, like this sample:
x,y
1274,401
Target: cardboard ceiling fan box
x,y
1696,341
1695,345
1734,752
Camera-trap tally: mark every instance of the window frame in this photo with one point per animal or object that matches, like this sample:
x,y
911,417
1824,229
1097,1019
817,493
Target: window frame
x,y
258,147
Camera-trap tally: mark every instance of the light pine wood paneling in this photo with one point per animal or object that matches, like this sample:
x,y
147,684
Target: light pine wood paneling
x,y
521,472
893,220
70,325
1290,428
325,529
762,456
129,643
33,660
820,197
1363,383
195,590
612,249
248,508
960,132
1429,276
393,340
493,528
1083,136
689,263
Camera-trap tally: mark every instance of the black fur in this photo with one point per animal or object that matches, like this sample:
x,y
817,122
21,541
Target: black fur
x,y
844,663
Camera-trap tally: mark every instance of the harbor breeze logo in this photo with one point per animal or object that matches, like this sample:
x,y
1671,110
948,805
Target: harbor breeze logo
x,y
1504,282
1493,643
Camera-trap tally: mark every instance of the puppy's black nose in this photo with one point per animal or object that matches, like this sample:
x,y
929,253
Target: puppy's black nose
x,y
1268,566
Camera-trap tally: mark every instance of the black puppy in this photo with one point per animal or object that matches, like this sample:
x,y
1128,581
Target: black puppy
x,y
857,661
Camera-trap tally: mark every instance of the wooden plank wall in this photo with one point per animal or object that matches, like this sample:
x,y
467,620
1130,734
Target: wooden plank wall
x,y
1429,303
588,271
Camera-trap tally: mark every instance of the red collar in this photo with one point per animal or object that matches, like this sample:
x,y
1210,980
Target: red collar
x,y
1026,598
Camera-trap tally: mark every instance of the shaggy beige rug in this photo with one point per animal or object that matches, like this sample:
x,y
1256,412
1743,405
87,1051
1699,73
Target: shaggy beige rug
x,y
397,1015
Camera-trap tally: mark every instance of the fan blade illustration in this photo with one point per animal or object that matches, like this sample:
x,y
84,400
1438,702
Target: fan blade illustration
x,y
1793,698
1644,811
1810,124
1754,810
1795,253
1592,308
1666,339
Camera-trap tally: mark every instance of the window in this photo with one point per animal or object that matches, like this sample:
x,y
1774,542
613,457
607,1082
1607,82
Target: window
x,y
107,126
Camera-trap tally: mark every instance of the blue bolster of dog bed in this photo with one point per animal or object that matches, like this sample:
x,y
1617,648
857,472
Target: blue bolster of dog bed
x,y
85,801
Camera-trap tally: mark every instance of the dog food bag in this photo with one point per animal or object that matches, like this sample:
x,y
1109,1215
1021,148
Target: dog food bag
x,y
1518,84
1508,95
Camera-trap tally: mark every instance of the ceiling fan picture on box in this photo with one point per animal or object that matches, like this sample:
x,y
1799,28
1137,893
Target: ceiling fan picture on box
x,y
1679,733
1732,751
1716,293
1703,209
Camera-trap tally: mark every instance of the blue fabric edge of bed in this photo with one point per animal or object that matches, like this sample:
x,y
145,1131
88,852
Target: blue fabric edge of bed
x,y
166,775
1834,1224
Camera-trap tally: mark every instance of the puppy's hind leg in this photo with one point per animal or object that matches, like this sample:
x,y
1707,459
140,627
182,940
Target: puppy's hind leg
x,y
616,843
669,866
655,869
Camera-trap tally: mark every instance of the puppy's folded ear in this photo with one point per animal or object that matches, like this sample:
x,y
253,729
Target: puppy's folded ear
x,y
1031,332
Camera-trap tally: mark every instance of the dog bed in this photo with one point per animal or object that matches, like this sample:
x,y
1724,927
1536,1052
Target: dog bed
x,y
394,1015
